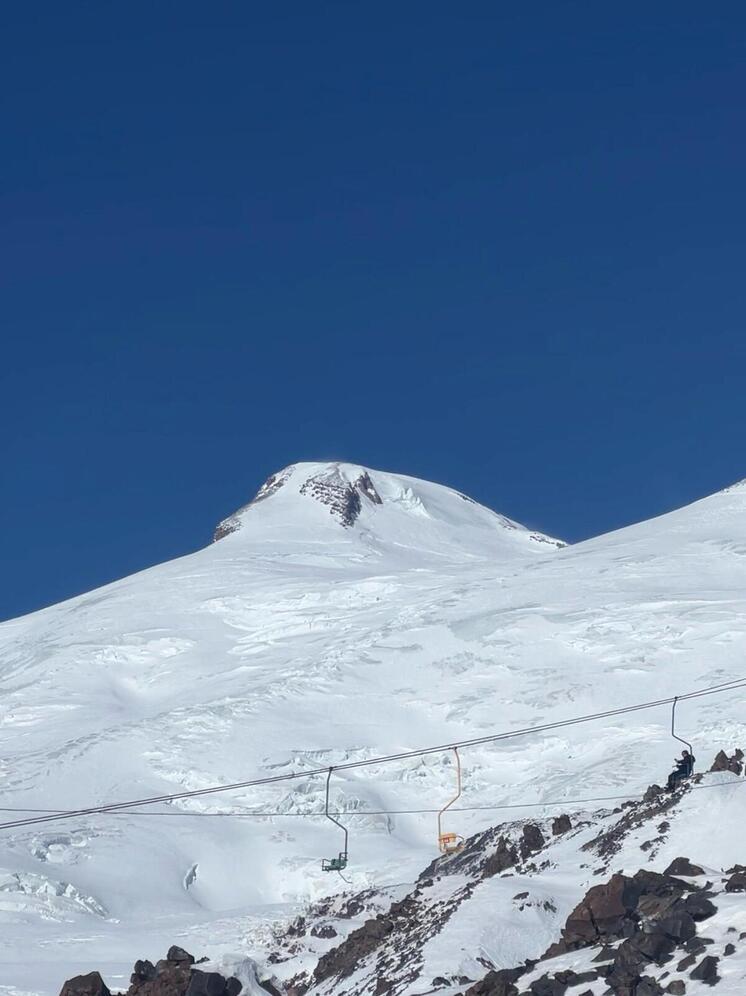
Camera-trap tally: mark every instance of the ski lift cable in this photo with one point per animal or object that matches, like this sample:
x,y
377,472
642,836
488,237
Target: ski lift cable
x,y
307,814
732,685
274,814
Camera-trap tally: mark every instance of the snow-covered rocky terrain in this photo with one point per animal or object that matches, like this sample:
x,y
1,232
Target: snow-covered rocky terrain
x,y
345,614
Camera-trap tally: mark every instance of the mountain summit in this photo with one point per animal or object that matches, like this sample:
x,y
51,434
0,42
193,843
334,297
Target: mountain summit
x,y
313,501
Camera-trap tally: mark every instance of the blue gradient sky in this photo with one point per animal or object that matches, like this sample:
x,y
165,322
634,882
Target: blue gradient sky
x,y
497,246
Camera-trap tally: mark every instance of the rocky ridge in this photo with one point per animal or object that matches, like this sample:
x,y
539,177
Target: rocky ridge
x,y
174,975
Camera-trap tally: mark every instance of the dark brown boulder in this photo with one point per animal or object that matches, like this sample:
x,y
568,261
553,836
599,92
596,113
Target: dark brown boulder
x,y
699,907
694,946
653,883
706,971
683,866
504,857
85,985
604,913
647,987
179,955
676,988
654,945
532,840
499,983
724,763
679,925
548,987
561,824
628,966
212,984
652,792
143,971
736,883
632,957
168,978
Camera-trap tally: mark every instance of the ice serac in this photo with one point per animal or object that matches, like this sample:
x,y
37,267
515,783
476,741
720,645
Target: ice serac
x,y
310,501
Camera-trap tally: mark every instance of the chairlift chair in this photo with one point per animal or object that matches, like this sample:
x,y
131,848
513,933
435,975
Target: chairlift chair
x,y
448,842
677,776
339,863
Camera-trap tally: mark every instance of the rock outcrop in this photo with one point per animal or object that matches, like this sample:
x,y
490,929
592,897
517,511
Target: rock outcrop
x,y
174,975
85,985
641,925
723,762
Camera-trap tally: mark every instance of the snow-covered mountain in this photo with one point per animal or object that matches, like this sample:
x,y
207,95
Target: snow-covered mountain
x,y
343,614
383,515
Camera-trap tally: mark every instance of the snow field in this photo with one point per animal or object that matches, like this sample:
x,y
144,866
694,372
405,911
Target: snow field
x,y
296,642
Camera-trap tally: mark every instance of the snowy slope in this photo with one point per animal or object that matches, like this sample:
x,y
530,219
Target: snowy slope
x,y
467,915
344,614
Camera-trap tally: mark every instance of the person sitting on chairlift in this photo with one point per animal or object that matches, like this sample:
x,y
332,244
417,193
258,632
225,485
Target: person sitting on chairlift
x,y
683,770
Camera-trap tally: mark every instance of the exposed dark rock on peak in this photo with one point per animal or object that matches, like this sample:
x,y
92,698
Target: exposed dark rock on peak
x,y
332,486
343,498
270,487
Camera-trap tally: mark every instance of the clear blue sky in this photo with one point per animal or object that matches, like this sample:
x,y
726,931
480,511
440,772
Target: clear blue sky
x,y
499,246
